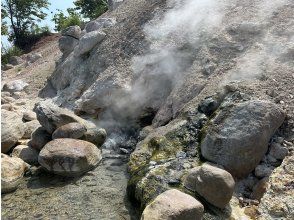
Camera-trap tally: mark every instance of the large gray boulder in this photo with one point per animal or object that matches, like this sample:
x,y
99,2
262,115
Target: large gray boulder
x,y
26,153
67,44
15,86
88,42
12,171
214,184
72,130
69,157
173,204
12,129
72,31
39,138
238,136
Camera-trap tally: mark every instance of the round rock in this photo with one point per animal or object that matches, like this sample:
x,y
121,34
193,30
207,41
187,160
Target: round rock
x,y
72,130
69,157
214,184
26,153
175,205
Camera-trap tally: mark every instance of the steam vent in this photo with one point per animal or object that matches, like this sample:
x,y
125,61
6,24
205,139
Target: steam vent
x,y
147,110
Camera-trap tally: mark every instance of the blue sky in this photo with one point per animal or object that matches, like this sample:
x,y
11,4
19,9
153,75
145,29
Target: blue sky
x,y
54,5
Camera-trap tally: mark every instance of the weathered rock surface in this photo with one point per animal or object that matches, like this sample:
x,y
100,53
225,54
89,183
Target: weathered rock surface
x,y
31,126
278,151
99,23
40,137
29,115
12,170
88,41
237,138
173,204
67,44
15,60
69,157
33,57
26,153
72,31
72,130
12,129
214,184
7,67
15,86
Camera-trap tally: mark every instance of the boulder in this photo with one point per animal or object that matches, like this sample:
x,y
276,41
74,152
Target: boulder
x,y
214,184
52,117
237,138
31,126
12,171
69,157
40,137
15,86
99,23
15,60
12,129
72,31
67,44
173,204
88,42
26,153
72,130
29,115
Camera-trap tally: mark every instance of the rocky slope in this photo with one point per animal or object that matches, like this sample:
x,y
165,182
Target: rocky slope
x,y
176,84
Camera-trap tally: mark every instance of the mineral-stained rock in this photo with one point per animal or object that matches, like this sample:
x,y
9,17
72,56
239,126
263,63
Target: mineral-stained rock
x,y
31,126
173,204
72,130
12,170
214,184
238,136
26,153
40,137
12,129
88,41
15,86
69,157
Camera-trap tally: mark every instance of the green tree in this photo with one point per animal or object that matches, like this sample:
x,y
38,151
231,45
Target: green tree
x,y
91,8
22,15
62,21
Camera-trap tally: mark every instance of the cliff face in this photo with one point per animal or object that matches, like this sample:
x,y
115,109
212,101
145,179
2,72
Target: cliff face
x,y
163,59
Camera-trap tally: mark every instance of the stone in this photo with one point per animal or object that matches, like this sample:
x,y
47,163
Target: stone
x,y
88,42
72,31
72,130
12,171
15,60
7,100
31,126
173,204
99,23
12,129
40,137
96,136
263,170
215,185
16,95
278,151
208,106
33,57
69,157
15,86
113,4
7,67
26,153
237,138
29,115
259,189
8,107
67,44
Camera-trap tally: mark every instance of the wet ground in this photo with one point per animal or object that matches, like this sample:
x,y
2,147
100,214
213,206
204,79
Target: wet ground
x,y
100,194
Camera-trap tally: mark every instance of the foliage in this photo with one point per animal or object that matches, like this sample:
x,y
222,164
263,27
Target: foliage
x,y
91,8
7,53
22,15
61,21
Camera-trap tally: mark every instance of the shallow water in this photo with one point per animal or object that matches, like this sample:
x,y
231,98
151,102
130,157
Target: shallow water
x,y
99,194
